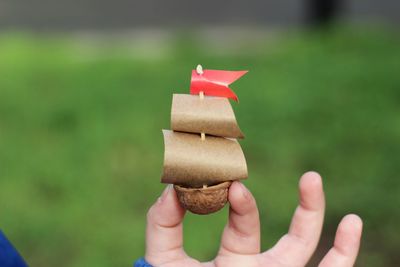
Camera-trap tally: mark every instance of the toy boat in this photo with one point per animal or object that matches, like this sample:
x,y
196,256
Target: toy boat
x,y
202,156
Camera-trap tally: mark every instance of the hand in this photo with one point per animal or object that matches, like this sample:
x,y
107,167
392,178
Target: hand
x,y
240,244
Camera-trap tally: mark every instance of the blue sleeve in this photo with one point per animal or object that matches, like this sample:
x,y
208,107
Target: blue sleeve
x,y
141,263
9,256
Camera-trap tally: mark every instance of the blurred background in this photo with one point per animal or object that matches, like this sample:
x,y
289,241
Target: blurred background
x,y
86,87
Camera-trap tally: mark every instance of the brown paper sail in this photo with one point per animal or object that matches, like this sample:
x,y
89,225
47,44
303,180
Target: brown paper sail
x,y
190,161
210,115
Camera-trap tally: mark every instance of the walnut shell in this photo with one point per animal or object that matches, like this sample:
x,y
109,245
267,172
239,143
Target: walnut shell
x,y
203,200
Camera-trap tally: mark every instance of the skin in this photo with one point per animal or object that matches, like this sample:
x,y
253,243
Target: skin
x,y
240,243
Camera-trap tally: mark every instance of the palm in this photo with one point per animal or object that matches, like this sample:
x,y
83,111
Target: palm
x,y
240,244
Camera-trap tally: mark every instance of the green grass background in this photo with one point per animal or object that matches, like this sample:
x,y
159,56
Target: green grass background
x,y
81,146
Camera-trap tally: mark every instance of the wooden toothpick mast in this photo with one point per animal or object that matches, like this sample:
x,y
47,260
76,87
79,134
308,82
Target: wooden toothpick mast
x,y
199,70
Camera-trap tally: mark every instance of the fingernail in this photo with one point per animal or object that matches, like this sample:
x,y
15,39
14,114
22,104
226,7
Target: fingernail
x,y
164,194
245,191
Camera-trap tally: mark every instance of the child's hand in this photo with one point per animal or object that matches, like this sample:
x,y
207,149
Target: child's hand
x,y
240,245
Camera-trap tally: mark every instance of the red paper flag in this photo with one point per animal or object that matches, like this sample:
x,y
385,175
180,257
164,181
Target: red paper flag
x,y
214,82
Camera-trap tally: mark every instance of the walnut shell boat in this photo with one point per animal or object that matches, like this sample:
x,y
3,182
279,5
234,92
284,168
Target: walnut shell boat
x,y
203,200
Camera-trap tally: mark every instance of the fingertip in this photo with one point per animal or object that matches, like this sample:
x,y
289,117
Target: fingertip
x,y
240,198
310,179
354,218
171,201
166,211
238,191
346,244
351,223
348,235
311,191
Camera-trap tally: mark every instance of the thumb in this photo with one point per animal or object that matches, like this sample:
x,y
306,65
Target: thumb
x,y
164,237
